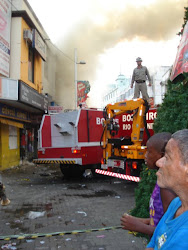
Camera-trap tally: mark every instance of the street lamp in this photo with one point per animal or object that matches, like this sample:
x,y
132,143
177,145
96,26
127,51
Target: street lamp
x,y
75,74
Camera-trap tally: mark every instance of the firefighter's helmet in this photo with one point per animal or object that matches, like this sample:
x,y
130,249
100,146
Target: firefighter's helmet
x,y
138,59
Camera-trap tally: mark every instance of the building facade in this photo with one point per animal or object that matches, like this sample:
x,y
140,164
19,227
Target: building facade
x,y
159,83
163,83
24,56
119,91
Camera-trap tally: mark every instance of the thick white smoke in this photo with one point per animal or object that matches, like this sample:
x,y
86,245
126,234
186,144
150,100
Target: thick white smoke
x,y
158,21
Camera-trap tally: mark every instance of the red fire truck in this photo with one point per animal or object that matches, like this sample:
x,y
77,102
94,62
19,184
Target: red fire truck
x,y
124,151
74,139
71,139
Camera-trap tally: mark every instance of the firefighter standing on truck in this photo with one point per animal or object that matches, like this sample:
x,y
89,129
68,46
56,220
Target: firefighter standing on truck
x,y
140,75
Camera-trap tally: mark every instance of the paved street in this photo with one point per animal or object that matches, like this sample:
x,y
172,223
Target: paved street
x,y
76,204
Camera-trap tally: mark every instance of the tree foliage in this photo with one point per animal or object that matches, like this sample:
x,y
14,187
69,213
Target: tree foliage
x,y
172,114
185,16
143,192
185,21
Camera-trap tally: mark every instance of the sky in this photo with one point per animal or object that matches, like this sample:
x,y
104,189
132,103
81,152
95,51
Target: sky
x,y
109,35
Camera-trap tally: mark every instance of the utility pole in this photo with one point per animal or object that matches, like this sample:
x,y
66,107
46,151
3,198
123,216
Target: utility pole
x,y
75,76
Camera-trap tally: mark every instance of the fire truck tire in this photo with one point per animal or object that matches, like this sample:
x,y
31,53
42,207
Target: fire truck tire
x,y
70,171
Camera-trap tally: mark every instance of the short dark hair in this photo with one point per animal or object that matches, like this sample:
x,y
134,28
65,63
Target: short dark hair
x,y
181,137
159,141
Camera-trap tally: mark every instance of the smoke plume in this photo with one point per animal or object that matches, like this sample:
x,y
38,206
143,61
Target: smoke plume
x,y
158,21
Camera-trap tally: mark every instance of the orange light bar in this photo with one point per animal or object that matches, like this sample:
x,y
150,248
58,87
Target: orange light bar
x,y
41,152
134,165
133,147
103,161
76,151
124,147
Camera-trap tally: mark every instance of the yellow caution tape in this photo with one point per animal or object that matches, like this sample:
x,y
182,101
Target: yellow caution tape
x,y
34,236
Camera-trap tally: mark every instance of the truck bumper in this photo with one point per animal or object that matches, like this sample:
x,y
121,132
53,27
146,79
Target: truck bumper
x,y
66,161
117,175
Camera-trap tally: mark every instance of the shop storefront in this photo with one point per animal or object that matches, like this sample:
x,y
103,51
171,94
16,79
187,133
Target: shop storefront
x,y
21,110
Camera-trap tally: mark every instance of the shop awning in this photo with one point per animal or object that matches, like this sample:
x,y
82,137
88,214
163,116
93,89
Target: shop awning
x,y
12,123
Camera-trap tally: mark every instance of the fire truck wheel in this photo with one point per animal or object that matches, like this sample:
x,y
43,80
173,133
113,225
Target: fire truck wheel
x,y
71,171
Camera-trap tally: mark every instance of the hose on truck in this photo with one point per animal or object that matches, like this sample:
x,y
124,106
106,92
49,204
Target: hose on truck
x,y
102,138
105,116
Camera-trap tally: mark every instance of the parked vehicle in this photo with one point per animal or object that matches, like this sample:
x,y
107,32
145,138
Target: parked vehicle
x,y
71,139
125,135
79,139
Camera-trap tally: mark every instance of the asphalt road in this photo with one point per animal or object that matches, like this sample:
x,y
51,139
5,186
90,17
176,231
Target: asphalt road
x,y
65,205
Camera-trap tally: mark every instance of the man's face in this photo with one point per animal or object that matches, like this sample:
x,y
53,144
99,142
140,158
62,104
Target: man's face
x,y
139,63
172,172
151,156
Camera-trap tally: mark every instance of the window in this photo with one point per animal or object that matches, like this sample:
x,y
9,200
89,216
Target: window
x,y
31,64
13,137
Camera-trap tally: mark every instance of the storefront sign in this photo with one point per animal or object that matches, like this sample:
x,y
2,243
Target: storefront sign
x,y
39,44
11,112
55,109
83,88
5,20
181,62
32,97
